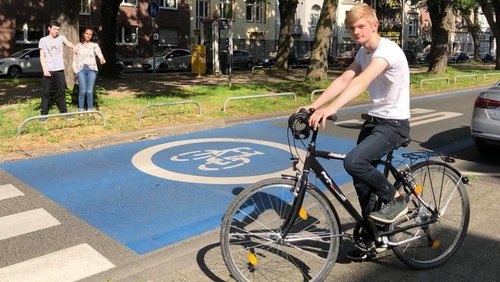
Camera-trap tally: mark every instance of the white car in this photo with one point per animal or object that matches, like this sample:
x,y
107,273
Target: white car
x,y
485,123
169,59
26,61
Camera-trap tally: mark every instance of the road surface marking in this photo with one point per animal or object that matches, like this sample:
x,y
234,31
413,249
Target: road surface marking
x,y
8,191
25,222
70,264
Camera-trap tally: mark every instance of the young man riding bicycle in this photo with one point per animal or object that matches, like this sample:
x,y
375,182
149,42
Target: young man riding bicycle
x,y
381,68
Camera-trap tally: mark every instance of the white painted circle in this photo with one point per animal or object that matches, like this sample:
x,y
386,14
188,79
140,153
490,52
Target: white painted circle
x,y
143,161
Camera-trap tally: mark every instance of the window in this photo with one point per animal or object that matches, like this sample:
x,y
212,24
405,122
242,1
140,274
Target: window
x,y
259,11
249,12
129,2
29,32
85,7
127,35
315,12
412,27
168,37
169,4
201,11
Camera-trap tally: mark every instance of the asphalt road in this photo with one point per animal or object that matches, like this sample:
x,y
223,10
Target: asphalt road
x,y
440,123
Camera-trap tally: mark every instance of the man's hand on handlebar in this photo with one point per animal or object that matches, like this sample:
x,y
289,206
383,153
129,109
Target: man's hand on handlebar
x,y
319,117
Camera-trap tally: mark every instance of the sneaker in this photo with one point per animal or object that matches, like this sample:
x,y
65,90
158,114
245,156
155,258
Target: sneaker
x,y
391,211
359,255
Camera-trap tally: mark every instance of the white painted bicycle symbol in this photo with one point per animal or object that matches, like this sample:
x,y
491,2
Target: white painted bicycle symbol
x,y
219,159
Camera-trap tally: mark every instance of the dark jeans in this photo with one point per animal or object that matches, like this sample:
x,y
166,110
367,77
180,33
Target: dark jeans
x,y
57,78
375,140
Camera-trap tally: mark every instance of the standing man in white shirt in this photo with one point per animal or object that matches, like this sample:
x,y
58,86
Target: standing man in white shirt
x,y
52,61
381,68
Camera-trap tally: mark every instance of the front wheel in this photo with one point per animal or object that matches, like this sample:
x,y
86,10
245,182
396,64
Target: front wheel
x,y
431,245
251,239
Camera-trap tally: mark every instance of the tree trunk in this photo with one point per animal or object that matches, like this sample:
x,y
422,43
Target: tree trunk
x,y
109,12
287,14
491,10
442,21
318,66
67,13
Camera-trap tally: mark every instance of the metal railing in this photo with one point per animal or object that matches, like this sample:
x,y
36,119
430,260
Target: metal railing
x,y
45,117
432,79
139,116
486,74
258,96
316,91
465,75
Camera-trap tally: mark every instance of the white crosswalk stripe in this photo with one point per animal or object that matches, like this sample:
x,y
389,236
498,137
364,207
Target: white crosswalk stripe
x,y
70,264
8,191
419,117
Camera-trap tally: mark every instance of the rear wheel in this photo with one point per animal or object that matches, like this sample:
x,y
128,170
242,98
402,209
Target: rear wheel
x,y
251,242
431,245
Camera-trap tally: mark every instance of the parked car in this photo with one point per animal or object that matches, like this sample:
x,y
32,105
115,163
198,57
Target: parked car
x,y
423,58
271,60
410,56
306,59
242,59
169,59
485,123
487,58
26,61
345,58
459,57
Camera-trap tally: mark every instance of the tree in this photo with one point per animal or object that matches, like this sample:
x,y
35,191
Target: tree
x,y
491,10
109,12
287,10
469,9
322,38
67,13
441,15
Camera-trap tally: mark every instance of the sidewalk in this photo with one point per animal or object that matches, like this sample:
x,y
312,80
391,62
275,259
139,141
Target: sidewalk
x,y
199,259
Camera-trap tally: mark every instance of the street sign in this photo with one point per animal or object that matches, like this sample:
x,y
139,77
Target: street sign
x,y
153,9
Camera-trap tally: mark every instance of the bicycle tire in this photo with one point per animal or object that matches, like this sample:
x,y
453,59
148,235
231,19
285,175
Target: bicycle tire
x,y
251,226
440,184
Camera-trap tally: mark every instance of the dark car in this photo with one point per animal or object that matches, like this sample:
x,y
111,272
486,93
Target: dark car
x,y
410,56
423,58
345,58
306,59
271,60
487,58
242,59
458,57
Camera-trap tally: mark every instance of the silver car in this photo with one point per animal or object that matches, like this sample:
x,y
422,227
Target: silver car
x,y
169,59
26,61
485,124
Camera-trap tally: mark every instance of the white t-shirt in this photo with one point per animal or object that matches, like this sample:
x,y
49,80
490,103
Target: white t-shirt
x,y
390,91
53,48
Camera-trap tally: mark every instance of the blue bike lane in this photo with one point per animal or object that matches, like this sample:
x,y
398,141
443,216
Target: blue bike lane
x,y
152,193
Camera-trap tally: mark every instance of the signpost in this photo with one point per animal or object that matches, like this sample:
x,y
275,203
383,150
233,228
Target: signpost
x,y
153,11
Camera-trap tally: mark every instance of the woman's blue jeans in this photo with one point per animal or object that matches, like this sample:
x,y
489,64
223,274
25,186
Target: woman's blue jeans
x,y
86,81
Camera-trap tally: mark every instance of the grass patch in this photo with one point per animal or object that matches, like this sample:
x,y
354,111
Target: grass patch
x,y
122,113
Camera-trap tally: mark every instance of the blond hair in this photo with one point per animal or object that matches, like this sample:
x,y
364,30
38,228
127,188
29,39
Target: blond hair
x,y
359,11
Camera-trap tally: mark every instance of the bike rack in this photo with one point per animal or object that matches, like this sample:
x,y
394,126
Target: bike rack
x,y
486,74
465,75
20,127
316,91
257,67
431,79
139,116
258,96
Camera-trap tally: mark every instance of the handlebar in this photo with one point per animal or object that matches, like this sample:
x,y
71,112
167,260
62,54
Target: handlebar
x,y
298,123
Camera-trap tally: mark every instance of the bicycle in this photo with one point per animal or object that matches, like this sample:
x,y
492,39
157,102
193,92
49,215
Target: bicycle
x,y
287,229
